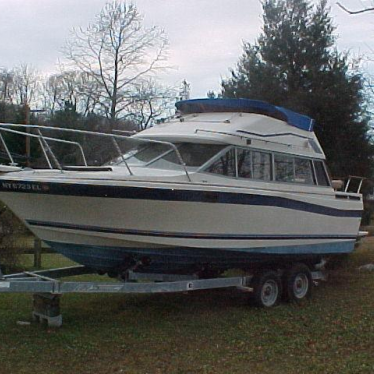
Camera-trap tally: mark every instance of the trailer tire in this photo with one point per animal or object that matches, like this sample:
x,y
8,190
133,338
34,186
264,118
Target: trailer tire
x,y
267,289
297,283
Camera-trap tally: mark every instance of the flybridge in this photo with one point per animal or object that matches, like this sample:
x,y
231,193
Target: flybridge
x,y
300,121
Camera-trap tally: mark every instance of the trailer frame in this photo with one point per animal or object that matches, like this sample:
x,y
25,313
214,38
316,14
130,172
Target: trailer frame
x,y
47,288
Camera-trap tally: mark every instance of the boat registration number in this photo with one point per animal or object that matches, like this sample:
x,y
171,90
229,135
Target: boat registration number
x,y
17,186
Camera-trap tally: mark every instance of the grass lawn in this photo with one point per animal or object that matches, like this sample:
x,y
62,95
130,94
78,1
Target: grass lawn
x,y
202,332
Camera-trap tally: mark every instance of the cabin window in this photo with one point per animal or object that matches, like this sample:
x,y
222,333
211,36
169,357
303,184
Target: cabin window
x,y
293,170
225,165
284,168
321,175
253,164
303,171
245,166
261,165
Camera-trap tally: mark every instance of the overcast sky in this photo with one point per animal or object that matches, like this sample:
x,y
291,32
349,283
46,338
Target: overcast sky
x,y
205,35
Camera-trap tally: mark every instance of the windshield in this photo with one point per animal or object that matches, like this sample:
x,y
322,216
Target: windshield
x,y
193,155
142,154
162,156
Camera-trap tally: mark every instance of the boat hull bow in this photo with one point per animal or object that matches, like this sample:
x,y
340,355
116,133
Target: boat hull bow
x,y
171,226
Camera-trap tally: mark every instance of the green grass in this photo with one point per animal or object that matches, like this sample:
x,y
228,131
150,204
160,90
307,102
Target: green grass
x,y
202,332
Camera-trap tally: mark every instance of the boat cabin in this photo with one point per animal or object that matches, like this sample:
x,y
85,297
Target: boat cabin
x,y
242,139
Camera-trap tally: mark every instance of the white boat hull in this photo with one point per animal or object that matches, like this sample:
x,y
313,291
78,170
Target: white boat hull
x,y
103,226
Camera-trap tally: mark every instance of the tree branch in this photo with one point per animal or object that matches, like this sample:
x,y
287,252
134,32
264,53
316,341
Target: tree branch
x,y
354,11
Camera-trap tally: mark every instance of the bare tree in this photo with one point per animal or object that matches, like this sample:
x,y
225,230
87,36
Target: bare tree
x,y
88,94
77,88
151,101
52,93
6,85
356,63
26,84
117,52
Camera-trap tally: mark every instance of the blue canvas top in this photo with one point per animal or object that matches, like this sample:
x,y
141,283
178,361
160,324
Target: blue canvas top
x,y
246,106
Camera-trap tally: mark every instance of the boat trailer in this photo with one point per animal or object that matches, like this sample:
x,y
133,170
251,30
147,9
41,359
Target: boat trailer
x,y
47,289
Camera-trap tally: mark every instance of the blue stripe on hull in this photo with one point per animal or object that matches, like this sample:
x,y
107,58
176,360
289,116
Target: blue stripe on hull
x,y
171,194
111,258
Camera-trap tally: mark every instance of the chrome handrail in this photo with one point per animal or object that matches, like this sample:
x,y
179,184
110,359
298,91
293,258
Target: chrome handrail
x,y
116,145
7,150
350,178
45,138
249,136
3,127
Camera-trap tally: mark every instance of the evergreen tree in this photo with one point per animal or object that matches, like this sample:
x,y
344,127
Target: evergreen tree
x,y
296,65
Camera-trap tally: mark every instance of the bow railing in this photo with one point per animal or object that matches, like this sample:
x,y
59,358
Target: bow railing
x,y
50,156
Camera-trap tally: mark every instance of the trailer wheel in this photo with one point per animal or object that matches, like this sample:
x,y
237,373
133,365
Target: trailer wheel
x,y
267,289
297,283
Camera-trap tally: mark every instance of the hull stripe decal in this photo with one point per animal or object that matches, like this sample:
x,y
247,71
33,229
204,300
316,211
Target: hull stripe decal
x,y
179,235
168,194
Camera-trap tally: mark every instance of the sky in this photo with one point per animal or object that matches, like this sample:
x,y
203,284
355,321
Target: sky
x,y
205,36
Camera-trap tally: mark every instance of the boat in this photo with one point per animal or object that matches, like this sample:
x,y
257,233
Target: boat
x,y
226,183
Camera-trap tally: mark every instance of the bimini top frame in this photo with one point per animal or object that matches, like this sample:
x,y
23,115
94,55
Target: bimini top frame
x,y
43,141
300,121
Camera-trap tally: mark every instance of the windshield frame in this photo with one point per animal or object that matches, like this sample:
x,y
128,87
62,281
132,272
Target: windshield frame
x,y
189,167
174,147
